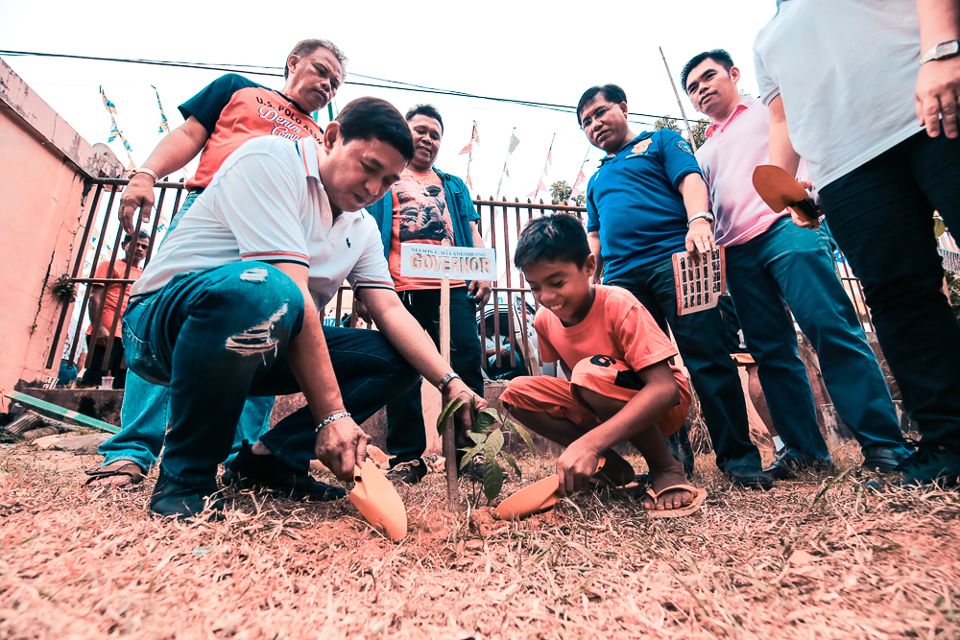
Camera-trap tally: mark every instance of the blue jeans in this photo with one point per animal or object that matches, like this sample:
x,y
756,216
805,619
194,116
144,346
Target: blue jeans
x,y
406,436
215,337
880,215
700,339
790,266
146,410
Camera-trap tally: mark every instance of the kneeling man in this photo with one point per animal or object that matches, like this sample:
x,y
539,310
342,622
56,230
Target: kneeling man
x,y
228,307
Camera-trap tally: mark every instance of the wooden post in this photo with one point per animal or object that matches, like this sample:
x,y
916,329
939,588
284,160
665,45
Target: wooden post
x,y
449,433
693,143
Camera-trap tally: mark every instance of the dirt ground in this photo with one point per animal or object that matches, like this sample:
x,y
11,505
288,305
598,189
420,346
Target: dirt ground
x,y
817,559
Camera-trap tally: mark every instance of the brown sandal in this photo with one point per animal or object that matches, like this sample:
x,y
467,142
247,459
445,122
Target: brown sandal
x,y
114,469
699,495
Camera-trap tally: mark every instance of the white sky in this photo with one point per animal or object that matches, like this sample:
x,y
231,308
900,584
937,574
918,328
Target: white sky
x,y
543,51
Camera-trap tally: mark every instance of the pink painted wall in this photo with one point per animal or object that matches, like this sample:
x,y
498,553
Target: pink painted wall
x,y
41,201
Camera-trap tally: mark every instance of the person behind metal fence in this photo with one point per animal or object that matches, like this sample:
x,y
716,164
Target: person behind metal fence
x,y
645,202
105,307
229,307
223,115
881,137
773,264
429,206
621,384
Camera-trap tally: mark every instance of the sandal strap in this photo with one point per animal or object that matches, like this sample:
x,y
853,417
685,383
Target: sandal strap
x,y
677,487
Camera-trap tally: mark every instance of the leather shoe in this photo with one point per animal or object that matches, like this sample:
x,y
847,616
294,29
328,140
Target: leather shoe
x,y
749,478
882,459
788,466
251,471
172,498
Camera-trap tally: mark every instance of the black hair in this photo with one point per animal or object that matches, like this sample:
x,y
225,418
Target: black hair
x,y
129,237
306,47
425,110
720,56
376,119
558,237
610,92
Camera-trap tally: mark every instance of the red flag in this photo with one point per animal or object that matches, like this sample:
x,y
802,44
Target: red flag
x,y
474,139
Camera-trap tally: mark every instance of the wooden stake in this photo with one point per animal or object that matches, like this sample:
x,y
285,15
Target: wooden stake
x,y
449,433
693,143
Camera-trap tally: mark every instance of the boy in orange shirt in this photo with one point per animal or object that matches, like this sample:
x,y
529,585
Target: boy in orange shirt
x,y
621,384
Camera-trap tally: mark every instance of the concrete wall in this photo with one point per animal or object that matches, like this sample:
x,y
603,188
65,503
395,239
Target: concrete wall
x,y
42,175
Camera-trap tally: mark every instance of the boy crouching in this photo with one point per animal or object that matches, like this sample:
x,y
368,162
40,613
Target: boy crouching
x,y
621,384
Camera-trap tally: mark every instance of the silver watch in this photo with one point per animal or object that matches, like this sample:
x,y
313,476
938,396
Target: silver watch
x,y
705,215
944,50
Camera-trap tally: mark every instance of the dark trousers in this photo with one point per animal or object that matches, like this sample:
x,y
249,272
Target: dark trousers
x,y
700,339
406,438
215,338
880,215
99,366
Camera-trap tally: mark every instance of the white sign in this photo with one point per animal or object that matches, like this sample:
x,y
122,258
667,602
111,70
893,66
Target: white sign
x,y
456,263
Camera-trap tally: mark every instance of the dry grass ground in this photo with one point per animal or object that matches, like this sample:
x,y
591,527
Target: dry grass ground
x,y
806,560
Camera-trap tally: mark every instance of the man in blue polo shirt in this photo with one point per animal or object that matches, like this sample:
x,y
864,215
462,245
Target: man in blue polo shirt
x,y
646,202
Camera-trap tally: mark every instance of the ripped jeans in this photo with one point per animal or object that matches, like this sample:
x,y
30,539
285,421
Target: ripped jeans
x,y
217,336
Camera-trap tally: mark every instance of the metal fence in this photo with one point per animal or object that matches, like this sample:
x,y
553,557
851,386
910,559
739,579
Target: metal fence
x,y
506,321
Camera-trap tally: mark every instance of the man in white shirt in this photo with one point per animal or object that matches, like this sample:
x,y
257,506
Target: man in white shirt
x,y
228,307
866,93
772,264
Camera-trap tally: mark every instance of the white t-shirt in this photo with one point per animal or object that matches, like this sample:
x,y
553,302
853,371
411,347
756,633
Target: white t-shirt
x,y
267,203
846,70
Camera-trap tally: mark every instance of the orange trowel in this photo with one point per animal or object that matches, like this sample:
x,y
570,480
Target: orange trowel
x,y
538,497
780,190
378,501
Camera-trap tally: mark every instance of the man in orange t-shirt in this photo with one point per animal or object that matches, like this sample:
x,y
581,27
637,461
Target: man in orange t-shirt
x,y
621,382
105,308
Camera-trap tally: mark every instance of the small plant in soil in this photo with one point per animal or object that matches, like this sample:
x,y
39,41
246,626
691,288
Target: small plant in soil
x,y
490,429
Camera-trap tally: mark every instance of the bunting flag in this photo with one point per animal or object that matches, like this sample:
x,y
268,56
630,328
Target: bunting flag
x,y
474,140
511,147
164,124
541,184
579,184
115,131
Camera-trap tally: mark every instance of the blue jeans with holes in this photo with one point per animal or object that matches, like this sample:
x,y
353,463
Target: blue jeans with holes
x,y
217,336
790,266
146,410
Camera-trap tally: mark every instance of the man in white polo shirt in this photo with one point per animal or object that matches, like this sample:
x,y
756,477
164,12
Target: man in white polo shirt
x,y
772,264
866,93
228,307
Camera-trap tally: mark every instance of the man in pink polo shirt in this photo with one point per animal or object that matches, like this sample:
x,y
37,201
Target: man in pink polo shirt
x,y
772,264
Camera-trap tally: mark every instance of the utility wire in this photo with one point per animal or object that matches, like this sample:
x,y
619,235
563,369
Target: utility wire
x,y
377,83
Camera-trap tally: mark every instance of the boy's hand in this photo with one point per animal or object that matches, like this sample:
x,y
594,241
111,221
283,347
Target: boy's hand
x,y
479,291
576,465
798,218
341,446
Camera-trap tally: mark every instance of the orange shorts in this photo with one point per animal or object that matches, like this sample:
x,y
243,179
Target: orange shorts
x,y
601,374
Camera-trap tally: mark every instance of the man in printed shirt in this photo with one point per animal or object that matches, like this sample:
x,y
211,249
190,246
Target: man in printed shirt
x,y
646,202
222,116
228,307
428,206
772,263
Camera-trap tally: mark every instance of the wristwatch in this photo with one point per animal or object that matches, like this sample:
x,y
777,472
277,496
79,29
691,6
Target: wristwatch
x,y
706,215
447,379
944,50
